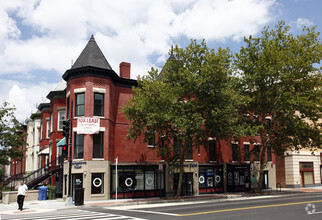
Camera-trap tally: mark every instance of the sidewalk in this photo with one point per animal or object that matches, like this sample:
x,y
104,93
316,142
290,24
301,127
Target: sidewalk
x,y
39,206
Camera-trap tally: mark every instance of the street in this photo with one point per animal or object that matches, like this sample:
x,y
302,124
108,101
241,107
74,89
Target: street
x,y
293,206
290,206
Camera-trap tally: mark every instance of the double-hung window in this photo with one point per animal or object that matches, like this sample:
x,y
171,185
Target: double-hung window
x,y
212,150
256,152
189,150
269,153
246,152
47,127
98,104
98,145
80,104
79,146
61,118
176,148
235,152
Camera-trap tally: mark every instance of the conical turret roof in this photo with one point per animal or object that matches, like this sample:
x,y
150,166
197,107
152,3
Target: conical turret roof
x,y
92,56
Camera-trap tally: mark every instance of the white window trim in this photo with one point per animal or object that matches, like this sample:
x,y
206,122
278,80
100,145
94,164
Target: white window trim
x,y
51,122
246,143
41,129
79,90
99,90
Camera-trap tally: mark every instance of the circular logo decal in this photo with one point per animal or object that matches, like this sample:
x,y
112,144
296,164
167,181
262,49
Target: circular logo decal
x,y
217,179
201,179
149,181
310,208
97,182
128,181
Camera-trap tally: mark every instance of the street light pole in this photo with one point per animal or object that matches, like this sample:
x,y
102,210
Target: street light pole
x,y
116,162
69,200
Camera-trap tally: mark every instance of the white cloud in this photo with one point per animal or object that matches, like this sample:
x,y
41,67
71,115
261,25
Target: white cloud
x,y
49,34
301,22
25,97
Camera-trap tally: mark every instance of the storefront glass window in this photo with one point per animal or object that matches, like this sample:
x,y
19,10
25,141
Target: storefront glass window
x,y
139,177
127,181
138,182
97,183
202,180
149,180
160,180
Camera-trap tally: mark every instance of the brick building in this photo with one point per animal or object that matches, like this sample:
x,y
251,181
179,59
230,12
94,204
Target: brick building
x,y
95,91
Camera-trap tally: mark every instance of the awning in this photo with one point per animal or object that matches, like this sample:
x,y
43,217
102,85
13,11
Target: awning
x,y
44,151
61,143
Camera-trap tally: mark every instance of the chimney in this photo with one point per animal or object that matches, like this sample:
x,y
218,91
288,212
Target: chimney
x,y
125,70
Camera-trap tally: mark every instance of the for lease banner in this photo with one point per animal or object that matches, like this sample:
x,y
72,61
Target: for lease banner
x,y
88,125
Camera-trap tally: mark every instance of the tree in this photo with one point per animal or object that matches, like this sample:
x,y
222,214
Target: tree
x,y
190,100
281,80
11,136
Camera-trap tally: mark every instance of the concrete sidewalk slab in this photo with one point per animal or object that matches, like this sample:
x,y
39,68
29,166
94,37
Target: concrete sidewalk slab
x,y
33,206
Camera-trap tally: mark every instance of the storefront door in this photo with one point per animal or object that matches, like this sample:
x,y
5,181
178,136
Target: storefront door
x,y
265,180
307,174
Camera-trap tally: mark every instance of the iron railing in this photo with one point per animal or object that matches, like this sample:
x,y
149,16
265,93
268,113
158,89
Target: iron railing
x,y
32,179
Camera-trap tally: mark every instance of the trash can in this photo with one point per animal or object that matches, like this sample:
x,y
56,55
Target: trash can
x,y
79,195
52,192
42,192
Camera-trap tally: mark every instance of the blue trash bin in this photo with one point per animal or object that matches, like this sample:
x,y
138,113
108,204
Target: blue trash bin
x,y
42,192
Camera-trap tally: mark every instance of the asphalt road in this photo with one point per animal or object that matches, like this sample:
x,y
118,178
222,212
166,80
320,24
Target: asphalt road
x,y
295,206
291,206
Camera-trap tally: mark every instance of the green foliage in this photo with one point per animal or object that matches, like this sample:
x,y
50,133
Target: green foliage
x,y
190,100
280,77
11,136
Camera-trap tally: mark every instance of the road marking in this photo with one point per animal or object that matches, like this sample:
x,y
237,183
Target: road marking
x,y
313,213
254,207
152,212
142,206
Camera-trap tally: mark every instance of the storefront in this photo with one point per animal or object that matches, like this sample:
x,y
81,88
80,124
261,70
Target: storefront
x,y
211,179
137,181
238,177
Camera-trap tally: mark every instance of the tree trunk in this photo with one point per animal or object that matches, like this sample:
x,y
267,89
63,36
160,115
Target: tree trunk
x,y
261,170
180,173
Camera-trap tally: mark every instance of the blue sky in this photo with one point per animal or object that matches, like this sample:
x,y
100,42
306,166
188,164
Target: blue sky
x,y
39,39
